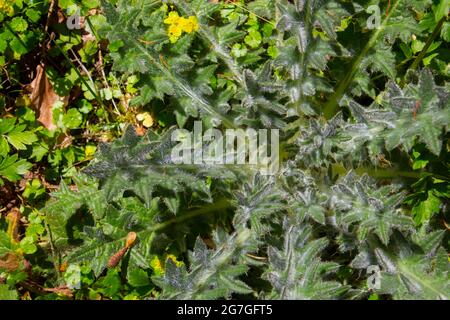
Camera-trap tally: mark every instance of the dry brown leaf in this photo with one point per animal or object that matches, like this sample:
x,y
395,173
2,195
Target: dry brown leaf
x,y
37,288
60,290
13,219
10,262
43,97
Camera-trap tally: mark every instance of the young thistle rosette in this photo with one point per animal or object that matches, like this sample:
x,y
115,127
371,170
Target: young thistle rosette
x,y
312,228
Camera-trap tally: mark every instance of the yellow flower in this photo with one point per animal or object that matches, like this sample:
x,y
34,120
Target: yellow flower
x,y
173,38
89,151
146,119
178,25
172,18
174,260
158,265
6,7
190,24
175,30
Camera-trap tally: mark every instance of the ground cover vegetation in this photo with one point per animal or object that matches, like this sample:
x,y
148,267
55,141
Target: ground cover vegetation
x,y
92,90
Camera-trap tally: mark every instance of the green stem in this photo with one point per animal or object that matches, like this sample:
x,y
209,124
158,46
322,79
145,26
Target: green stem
x,y
429,42
393,173
277,19
214,207
303,54
332,106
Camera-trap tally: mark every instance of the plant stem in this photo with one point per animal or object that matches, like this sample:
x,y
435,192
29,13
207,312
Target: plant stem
x,y
393,173
429,42
215,207
332,105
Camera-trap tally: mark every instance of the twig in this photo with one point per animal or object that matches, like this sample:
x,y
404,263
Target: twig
x,y
49,14
445,224
86,71
256,257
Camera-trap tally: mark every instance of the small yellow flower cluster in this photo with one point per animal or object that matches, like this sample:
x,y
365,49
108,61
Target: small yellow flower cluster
x,y
158,264
6,7
178,25
146,119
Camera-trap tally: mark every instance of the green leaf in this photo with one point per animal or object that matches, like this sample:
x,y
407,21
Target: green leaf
x,y
423,114
8,294
138,278
406,50
430,133
238,50
317,213
72,119
6,125
91,4
5,243
172,203
33,15
3,45
235,285
272,51
253,39
445,32
11,168
20,140
72,276
417,46
19,47
295,271
111,283
18,24
441,10
4,147
428,59
411,276
66,3
423,211
115,46
27,245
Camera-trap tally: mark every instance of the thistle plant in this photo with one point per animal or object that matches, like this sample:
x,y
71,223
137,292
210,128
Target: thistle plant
x,y
349,120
